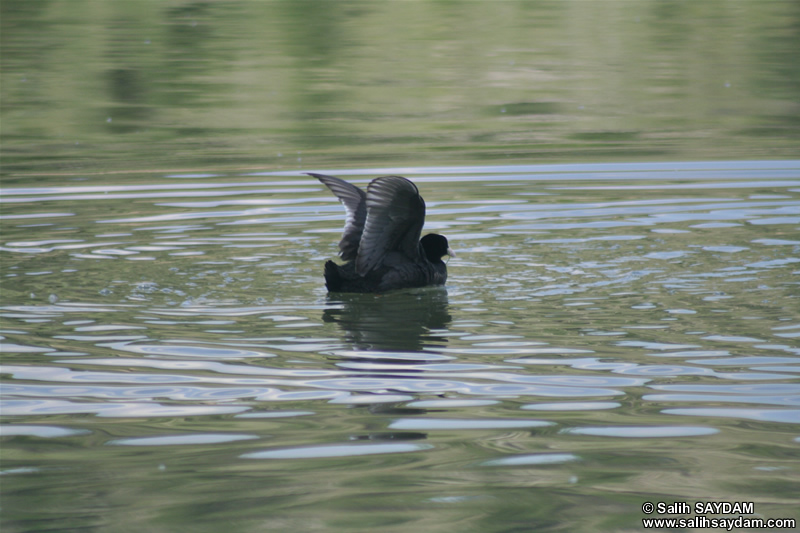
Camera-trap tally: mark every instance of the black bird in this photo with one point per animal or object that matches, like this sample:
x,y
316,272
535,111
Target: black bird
x,y
381,241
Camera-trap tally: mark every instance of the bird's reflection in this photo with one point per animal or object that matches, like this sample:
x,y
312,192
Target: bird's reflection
x,y
396,321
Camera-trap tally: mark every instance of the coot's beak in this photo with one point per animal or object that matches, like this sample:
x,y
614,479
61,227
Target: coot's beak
x,y
450,252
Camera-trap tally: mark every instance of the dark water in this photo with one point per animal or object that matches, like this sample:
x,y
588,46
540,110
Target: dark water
x,y
620,181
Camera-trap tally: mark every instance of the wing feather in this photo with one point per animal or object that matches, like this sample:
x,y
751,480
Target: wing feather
x,y
394,219
355,204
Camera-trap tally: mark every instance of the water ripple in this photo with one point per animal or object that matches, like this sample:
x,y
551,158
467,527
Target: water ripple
x,y
182,440
113,410
44,432
533,459
643,432
337,450
786,416
438,424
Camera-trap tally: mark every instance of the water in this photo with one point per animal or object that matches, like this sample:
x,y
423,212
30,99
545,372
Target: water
x,y
621,184
97,87
610,335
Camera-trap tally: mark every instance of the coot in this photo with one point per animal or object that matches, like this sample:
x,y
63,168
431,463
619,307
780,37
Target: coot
x,y
381,244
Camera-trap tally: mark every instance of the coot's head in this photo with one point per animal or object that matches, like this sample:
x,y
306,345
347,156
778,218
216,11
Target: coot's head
x,y
436,247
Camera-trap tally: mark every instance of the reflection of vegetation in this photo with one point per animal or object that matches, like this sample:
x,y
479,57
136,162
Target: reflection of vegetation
x,y
314,46
244,84
190,55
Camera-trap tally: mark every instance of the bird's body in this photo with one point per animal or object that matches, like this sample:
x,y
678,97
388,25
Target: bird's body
x,y
381,242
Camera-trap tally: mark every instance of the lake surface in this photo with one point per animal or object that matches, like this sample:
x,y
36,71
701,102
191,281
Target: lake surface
x,y
620,181
610,335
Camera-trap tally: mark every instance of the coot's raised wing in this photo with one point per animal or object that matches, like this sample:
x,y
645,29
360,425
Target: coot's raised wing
x,y
395,215
355,204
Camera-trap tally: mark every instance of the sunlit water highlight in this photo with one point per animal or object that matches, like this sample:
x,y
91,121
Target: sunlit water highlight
x,y
606,330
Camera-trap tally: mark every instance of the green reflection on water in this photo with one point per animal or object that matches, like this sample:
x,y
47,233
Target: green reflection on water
x,y
101,86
